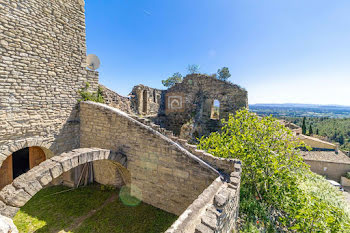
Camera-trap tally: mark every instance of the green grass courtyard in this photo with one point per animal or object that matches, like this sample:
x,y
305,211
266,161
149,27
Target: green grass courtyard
x,y
89,209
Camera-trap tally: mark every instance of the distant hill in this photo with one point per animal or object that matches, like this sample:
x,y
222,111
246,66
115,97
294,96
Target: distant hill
x,y
301,110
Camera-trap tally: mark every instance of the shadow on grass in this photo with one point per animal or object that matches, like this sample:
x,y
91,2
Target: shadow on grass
x,y
51,212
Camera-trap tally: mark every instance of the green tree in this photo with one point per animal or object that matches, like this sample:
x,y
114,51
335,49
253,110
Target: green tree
x,y
193,69
265,147
223,73
303,127
310,130
275,180
171,81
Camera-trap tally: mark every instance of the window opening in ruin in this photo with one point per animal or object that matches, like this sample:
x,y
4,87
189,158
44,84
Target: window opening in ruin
x,y
20,162
215,110
154,96
145,99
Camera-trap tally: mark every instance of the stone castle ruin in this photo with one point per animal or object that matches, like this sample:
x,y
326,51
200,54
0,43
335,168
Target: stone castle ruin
x,y
47,135
188,108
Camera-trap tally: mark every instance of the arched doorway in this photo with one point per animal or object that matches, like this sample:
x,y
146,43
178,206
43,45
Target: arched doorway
x,y
20,162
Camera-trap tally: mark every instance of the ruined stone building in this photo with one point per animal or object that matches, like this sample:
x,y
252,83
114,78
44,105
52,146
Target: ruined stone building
x,y
47,135
188,108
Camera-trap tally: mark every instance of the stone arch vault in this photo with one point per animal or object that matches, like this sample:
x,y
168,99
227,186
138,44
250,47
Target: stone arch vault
x,y
24,187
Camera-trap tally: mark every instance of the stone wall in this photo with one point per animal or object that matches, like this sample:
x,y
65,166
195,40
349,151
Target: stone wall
x,y
331,170
115,100
147,100
215,210
42,56
194,99
317,143
168,176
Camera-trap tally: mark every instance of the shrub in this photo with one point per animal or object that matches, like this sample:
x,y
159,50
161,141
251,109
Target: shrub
x,y
91,96
348,175
283,192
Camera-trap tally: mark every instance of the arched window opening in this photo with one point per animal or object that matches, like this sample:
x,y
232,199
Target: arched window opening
x,y
215,110
145,99
154,96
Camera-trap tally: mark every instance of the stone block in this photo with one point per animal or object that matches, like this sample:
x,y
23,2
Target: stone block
x,y
27,182
221,198
7,226
8,211
209,219
201,228
14,197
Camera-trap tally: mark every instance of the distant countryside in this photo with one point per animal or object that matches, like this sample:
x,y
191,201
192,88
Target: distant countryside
x,y
301,110
332,123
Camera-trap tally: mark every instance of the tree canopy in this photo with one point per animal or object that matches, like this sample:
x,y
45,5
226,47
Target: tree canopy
x,y
171,81
193,69
279,191
223,73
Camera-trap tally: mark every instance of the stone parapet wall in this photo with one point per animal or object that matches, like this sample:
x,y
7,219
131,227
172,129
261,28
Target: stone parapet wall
x,y
42,68
115,100
168,176
215,210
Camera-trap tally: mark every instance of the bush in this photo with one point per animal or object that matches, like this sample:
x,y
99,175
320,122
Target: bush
x,y
348,175
91,96
283,193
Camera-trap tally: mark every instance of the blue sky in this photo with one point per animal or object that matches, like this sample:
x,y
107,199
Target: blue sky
x,y
281,51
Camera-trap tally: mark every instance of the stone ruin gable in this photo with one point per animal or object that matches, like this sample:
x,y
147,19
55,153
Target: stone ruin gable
x,y
42,56
168,176
115,100
197,93
151,105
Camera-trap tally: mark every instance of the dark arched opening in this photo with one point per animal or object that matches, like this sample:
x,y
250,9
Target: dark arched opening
x,y
19,163
145,99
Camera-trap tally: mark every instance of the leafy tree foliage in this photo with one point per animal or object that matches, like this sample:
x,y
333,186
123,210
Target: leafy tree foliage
x,y
171,81
278,188
193,69
223,73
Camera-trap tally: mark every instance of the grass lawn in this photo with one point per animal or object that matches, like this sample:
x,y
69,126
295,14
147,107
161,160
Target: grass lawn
x,y
88,209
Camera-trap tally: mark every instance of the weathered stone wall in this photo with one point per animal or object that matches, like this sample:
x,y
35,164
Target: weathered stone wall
x,y
331,170
147,100
115,100
42,56
168,176
316,143
215,210
194,98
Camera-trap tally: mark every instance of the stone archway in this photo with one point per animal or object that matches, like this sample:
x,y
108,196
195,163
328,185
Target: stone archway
x,y
14,145
24,187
